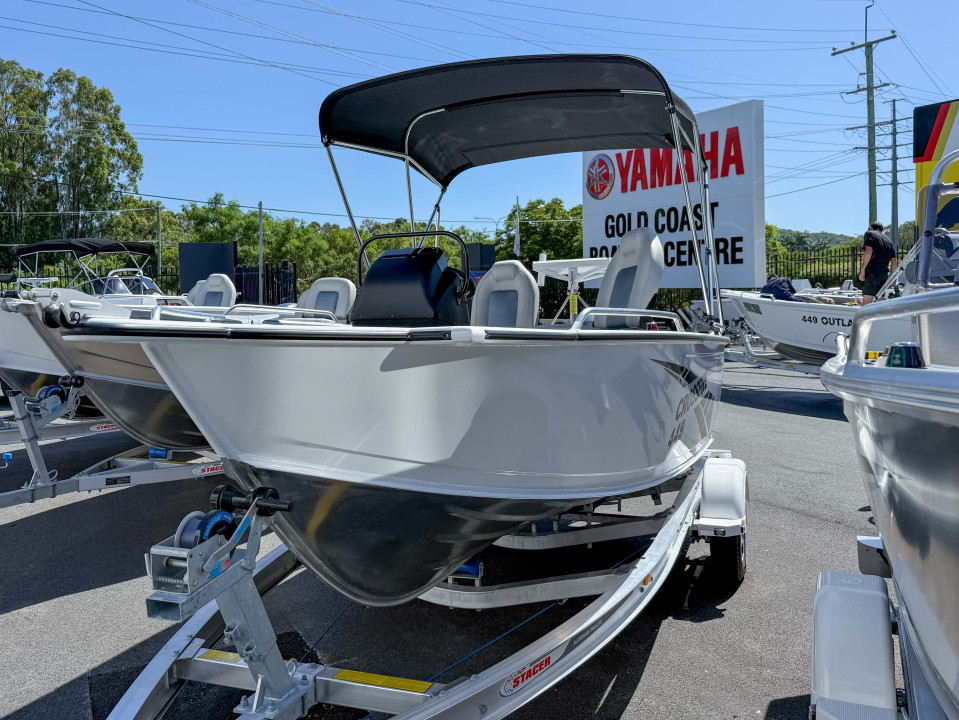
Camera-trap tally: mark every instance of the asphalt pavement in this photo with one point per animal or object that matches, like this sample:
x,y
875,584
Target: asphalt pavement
x,y
74,632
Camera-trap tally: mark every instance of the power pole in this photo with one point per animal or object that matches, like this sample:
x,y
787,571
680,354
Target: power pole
x,y
159,244
260,283
895,183
868,45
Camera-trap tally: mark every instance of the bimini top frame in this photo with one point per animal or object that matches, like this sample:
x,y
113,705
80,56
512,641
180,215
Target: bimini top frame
x,y
445,119
82,250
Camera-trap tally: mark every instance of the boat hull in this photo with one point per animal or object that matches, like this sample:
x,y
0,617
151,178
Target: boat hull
x,y
807,331
26,363
453,441
384,546
907,441
122,381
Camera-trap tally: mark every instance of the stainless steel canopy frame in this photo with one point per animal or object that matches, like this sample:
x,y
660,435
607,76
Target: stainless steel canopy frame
x,y
488,111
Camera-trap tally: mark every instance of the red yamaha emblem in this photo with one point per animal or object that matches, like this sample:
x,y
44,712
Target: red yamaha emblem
x,y
600,176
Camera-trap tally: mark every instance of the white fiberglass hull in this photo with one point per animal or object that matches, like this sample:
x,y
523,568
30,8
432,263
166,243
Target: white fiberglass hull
x,y
807,331
458,434
26,363
906,428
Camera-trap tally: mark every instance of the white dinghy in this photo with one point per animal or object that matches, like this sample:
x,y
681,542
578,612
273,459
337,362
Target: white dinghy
x,y
414,435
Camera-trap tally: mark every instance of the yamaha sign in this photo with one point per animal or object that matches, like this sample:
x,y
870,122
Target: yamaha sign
x,y
642,187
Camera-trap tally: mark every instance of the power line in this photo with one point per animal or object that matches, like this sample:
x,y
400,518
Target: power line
x,y
664,22
184,52
203,42
258,36
763,41
812,187
301,38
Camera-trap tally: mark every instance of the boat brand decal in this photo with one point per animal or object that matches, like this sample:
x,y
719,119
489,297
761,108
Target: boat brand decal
x,y
826,320
753,308
208,469
103,426
600,177
697,395
516,681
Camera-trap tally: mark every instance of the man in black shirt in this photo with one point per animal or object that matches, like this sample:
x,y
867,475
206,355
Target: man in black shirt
x,y
877,252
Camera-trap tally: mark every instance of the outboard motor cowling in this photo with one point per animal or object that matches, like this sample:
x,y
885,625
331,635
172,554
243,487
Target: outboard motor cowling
x,y
412,287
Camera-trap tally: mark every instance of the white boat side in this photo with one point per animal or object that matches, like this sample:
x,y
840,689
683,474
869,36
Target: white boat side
x,y
807,331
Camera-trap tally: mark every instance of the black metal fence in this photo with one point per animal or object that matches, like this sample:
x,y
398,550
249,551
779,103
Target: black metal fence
x,y
829,267
279,284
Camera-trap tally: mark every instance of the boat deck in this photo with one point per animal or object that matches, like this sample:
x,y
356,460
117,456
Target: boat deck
x,y
74,632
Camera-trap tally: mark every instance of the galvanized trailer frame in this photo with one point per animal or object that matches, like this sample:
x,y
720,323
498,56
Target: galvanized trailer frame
x,y
710,504
751,355
33,422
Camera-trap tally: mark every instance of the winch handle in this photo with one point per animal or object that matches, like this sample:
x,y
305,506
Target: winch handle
x,y
227,497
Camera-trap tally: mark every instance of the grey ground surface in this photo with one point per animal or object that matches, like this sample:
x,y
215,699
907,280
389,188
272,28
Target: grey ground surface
x,y
74,632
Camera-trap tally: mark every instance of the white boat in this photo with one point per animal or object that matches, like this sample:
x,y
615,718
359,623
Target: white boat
x,y
805,331
416,434
904,411
26,363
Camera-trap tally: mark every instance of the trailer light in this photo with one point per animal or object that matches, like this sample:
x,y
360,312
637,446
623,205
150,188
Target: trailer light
x,y
720,532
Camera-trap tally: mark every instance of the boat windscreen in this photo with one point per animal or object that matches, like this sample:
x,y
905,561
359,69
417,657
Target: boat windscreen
x,y
448,118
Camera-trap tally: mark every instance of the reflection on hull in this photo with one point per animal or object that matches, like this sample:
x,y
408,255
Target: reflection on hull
x,y
798,354
151,415
909,459
382,546
123,381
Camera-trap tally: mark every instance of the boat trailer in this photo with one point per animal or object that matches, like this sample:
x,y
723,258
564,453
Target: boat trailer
x,y
201,577
33,422
748,353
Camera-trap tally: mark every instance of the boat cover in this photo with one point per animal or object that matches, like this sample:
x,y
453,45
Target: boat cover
x,y
449,118
84,246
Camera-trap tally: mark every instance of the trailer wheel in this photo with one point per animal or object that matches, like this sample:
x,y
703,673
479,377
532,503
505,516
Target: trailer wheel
x,y
729,557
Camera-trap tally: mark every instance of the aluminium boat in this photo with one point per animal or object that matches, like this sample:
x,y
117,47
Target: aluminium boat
x,y
415,434
26,363
806,331
904,411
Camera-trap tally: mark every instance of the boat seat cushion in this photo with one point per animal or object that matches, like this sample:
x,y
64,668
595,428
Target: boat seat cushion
x,y
333,294
216,291
632,277
507,296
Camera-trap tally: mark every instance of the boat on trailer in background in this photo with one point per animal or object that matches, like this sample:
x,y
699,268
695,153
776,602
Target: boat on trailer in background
x,y
904,412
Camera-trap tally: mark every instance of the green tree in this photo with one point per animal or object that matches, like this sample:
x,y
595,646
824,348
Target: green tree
x,y
25,153
773,245
95,158
545,227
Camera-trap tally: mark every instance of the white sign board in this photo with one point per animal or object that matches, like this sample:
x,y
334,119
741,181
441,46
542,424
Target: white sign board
x,y
625,189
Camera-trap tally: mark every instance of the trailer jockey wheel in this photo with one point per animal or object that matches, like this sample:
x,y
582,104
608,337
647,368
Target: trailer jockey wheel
x,y
728,554
199,526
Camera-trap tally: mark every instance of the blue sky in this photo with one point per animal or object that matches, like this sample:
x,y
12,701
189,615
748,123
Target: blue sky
x,y
223,95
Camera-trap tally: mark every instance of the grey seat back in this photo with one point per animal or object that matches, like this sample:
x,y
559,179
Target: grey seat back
x,y
847,285
507,296
216,291
632,277
333,294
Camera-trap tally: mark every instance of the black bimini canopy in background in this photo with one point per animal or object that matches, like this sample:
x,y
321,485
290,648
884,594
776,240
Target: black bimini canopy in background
x,y
83,247
449,118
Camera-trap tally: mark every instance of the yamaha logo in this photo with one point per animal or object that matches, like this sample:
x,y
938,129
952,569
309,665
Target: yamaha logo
x,y
600,176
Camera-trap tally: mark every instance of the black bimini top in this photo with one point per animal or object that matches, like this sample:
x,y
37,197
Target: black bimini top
x,y
448,118
82,247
